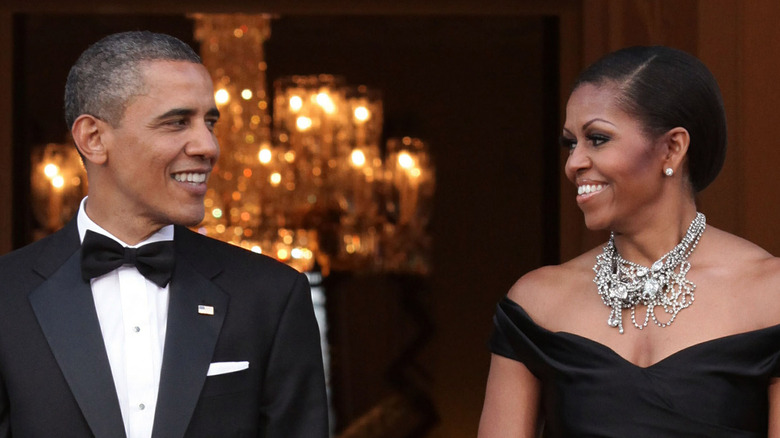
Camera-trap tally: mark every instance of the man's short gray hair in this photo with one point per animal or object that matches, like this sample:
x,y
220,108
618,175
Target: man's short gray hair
x,y
108,74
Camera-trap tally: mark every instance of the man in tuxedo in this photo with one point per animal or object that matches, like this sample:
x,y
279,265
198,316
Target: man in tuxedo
x,y
126,323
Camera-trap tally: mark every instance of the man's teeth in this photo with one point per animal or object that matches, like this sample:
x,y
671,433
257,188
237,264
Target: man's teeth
x,y
589,188
190,177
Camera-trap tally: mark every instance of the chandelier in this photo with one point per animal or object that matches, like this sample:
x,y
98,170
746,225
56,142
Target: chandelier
x,y
58,182
302,175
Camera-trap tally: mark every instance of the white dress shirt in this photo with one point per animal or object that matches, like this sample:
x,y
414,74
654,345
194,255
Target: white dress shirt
x,y
133,314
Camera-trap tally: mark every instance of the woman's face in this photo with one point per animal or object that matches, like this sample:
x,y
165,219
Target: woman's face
x,y
616,167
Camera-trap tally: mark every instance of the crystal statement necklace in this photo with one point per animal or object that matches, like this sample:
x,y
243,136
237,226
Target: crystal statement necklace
x,y
625,285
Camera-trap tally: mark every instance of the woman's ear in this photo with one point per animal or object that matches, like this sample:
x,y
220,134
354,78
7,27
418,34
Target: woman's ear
x,y
88,133
675,144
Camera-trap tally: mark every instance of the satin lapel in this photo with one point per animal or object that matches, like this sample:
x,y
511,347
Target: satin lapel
x,y
60,247
189,344
66,313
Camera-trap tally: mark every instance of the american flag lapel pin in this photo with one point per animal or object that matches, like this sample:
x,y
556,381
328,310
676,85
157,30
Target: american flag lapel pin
x,y
205,310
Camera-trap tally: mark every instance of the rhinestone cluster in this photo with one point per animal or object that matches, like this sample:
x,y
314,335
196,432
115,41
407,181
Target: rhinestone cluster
x,y
626,285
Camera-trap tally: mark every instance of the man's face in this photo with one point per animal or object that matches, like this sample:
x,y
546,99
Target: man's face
x,y
162,151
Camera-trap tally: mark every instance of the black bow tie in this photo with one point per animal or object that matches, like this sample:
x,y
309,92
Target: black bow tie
x,y
101,255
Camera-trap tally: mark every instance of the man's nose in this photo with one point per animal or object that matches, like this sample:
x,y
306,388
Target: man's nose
x,y
203,144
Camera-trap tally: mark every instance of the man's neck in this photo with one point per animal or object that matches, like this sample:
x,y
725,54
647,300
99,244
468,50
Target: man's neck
x,y
130,230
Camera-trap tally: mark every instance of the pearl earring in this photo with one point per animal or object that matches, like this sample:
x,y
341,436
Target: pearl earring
x,y
669,171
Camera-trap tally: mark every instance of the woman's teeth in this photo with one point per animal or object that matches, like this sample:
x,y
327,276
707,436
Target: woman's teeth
x,y
589,188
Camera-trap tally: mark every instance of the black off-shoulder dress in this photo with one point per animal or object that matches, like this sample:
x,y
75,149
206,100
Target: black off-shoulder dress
x,y
714,389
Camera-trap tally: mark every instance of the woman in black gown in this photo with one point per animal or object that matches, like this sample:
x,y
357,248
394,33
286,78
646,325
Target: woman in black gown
x,y
611,343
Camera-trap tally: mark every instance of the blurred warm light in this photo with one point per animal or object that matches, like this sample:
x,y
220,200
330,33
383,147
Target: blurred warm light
x,y
275,178
222,96
51,170
289,156
301,253
405,160
362,114
303,123
246,94
324,100
358,158
416,172
296,103
58,182
257,249
265,155
282,254
217,213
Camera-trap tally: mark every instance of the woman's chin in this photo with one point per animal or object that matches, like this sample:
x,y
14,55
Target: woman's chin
x,y
594,223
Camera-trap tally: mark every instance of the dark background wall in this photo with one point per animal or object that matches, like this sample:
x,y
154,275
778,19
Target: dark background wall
x,y
483,92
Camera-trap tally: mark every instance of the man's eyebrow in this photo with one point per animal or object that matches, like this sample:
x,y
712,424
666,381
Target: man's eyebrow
x,y
213,113
176,112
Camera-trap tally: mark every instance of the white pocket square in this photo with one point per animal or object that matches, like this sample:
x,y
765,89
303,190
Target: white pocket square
x,y
217,368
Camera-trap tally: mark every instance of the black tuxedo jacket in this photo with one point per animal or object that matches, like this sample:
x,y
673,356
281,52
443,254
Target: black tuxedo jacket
x,y
55,379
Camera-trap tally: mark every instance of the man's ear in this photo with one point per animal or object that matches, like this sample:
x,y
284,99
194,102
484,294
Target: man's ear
x,y
89,134
675,143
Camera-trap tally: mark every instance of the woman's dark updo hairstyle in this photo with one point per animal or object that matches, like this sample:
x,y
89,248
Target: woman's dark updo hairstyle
x,y
667,88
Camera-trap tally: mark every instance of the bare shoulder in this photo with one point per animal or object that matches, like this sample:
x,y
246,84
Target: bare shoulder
x,y
729,251
746,273
548,289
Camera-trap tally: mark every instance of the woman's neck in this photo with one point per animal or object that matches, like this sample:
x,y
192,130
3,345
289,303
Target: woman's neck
x,y
651,238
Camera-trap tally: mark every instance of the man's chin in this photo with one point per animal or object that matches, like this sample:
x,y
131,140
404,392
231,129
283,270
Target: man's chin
x,y
190,220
